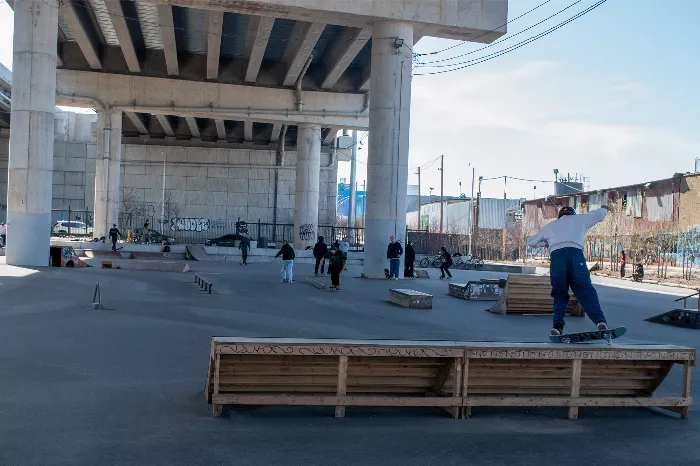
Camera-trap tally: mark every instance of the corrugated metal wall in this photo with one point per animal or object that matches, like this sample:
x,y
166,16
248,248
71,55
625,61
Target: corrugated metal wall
x,y
660,207
492,212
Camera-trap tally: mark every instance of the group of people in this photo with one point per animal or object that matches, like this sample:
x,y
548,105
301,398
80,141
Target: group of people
x,y
337,257
394,252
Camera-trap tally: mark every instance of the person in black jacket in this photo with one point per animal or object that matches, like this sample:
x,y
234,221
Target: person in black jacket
x,y
114,233
393,253
409,260
446,263
287,253
320,250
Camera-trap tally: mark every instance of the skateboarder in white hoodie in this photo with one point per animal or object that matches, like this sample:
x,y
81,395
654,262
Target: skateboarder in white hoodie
x,y
567,267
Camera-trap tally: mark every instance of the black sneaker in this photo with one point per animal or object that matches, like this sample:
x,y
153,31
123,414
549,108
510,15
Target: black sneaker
x,y
602,325
557,329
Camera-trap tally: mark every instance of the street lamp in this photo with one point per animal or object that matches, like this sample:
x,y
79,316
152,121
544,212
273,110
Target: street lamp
x,y
460,189
431,194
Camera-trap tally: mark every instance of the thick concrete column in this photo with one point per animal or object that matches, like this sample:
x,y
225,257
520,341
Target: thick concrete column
x,y
308,180
100,219
115,162
30,165
389,122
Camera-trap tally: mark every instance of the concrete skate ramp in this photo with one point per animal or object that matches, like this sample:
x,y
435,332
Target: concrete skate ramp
x,y
483,290
158,266
451,375
198,253
530,294
688,318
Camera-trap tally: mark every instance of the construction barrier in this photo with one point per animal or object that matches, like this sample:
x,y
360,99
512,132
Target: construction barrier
x,y
455,376
530,294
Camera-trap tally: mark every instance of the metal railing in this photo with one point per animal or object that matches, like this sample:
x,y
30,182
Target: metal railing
x,y
69,222
685,300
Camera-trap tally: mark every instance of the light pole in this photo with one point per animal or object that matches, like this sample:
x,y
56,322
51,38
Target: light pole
x,y
460,189
431,194
534,193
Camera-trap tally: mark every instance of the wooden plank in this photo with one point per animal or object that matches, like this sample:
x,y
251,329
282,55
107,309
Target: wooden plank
x,y
575,386
457,382
686,386
342,384
336,400
217,409
442,376
266,369
580,401
326,380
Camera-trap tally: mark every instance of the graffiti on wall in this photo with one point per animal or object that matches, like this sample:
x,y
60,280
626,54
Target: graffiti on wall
x,y
189,224
306,232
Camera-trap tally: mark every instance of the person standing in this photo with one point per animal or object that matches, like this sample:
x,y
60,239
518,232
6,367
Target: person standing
x,y
623,260
409,260
336,264
345,245
287,253
446,263
567,264
320,250
244,246
3,233
114,233
393,253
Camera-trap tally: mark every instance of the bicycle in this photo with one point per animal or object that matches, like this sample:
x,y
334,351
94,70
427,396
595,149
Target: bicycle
x,y
428,260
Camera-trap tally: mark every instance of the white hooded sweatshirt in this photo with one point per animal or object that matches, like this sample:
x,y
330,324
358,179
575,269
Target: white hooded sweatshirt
x,y
567,231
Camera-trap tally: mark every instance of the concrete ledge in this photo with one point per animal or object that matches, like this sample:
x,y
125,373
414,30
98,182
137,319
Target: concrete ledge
x,y
525,269
411,298
131,264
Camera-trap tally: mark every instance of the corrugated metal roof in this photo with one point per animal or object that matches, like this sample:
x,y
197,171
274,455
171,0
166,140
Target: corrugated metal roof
x,y
64,27
234,32
150,26
190,29
99,10
278,38
327,36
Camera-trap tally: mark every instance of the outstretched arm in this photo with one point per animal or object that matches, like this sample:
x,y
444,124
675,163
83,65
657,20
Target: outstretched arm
x,y
595,216
538,240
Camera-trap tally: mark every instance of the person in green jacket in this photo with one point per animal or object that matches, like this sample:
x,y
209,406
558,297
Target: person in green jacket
x,y
336,263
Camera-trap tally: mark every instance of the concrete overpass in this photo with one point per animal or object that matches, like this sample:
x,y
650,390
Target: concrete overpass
x,y
223,73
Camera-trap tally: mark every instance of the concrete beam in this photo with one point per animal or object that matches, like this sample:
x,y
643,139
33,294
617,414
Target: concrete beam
x,y
220,130
194,129
482,21
259,30
215,21
69,14
136,120
343,51
276,130
117,16
170,96
165,124
332,133
248,131
167,32
299,46
365,78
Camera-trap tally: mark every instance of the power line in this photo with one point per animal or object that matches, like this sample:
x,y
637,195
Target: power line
x,y
422,64
482,35
512,48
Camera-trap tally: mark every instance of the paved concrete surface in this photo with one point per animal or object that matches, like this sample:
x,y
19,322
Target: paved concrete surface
x,y
124,386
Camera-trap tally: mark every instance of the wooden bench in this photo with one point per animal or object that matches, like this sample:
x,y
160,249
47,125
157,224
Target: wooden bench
x,y
531,294
411,298
455,376
482,290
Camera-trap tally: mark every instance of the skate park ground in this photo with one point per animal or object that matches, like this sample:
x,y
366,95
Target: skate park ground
x,y
124,385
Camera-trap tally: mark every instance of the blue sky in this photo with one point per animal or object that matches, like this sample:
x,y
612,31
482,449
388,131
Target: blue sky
x,y
612,95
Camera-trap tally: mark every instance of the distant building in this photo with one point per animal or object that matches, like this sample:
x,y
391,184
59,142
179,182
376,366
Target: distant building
x,y
494,214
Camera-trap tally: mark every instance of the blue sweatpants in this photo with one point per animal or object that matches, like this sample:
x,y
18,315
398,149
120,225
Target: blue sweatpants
x,y
567,268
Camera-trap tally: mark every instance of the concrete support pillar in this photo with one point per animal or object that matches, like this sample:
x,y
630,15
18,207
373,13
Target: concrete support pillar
x,y
30,165
107,172
100,220
115,162
308,180
389,122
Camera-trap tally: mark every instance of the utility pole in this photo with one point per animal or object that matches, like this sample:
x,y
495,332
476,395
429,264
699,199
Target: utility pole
x,y
505,218
364,203
353,189
471,213
442,186
419,222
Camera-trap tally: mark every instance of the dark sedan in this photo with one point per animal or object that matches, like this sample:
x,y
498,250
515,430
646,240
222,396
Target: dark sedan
x,y
226,240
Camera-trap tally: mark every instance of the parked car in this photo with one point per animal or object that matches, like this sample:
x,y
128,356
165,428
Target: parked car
x,y
153,237
73,227
226,240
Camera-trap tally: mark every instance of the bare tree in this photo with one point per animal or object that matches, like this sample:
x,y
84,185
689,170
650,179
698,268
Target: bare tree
x,y
128,204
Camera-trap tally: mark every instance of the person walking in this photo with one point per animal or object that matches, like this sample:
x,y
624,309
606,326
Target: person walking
x,y
320,250
393,253
244,246
336,264
114,233
409,260
3,233
287,253
446,263
567,264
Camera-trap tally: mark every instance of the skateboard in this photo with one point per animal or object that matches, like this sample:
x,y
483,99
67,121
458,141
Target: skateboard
x,y
585,337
